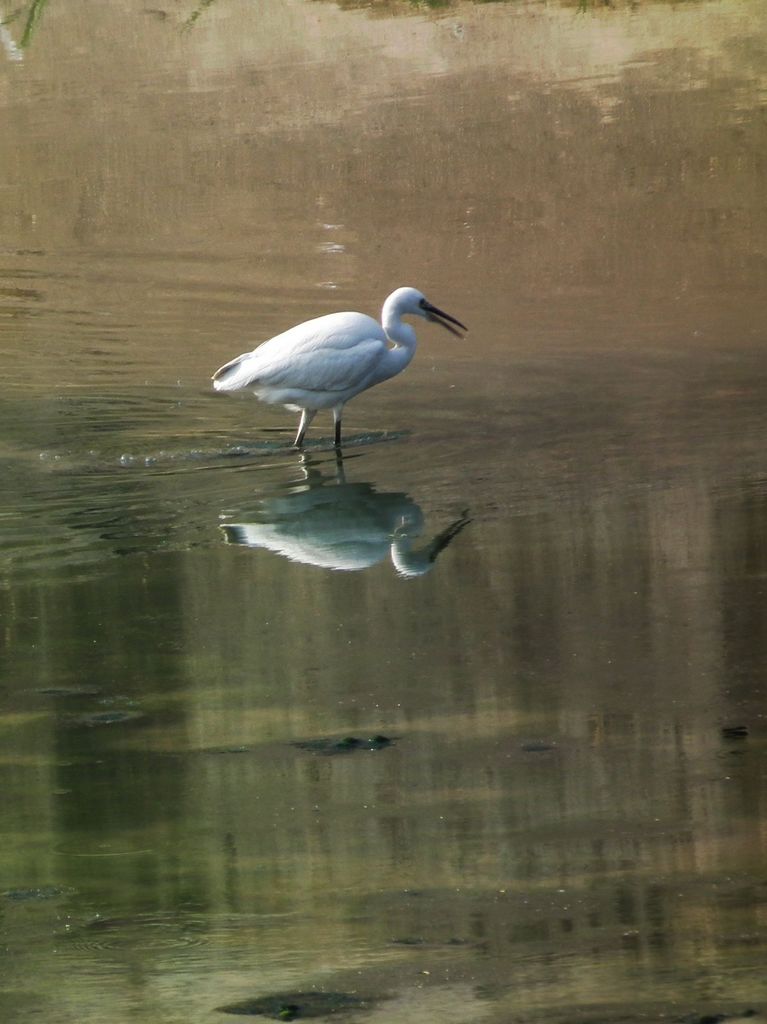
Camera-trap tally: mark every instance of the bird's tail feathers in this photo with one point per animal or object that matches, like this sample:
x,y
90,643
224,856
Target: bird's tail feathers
x,y
232,375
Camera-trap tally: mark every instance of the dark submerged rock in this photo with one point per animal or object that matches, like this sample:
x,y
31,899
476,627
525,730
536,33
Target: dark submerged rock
x,y
101,718
346,745
300,1005
734,732
716,1018
538,747
67,692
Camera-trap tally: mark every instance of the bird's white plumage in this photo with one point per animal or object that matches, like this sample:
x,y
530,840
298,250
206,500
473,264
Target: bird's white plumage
x,y
324,362
326,358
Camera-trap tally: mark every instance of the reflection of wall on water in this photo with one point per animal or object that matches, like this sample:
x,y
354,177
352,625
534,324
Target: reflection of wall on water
x,y
80,654
327,522
596,627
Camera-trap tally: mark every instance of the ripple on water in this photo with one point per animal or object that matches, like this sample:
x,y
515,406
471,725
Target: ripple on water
x,y
38,893
169,931
176,934
100,487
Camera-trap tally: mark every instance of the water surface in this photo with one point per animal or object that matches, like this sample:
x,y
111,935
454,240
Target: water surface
x,y
468,724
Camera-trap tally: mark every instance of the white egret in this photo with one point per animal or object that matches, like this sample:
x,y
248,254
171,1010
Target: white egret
x,y
323,363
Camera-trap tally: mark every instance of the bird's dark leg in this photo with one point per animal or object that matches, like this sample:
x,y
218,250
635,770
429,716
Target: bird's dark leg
x,y
337,421
340,473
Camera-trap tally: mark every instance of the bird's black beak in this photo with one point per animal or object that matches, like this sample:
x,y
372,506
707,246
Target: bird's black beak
x,y
438,317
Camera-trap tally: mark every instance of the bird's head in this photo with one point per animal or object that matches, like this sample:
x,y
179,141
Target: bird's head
x,y
411,302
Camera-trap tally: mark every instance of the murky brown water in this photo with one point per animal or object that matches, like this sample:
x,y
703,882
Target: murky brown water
x,y
470,725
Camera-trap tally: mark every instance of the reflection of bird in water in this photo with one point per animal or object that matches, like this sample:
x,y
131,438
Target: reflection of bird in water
x,y
323,363
333,524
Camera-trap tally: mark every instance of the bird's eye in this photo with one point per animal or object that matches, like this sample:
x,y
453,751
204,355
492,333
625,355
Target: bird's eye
x,y
422,303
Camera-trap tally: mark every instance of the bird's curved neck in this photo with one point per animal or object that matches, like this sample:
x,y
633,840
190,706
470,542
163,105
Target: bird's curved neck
x,y
397,331
402,337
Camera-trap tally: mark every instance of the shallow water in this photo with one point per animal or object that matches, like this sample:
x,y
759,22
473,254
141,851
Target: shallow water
x,y
468,724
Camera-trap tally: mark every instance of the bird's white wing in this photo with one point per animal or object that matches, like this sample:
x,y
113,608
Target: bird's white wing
x,y
331,353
